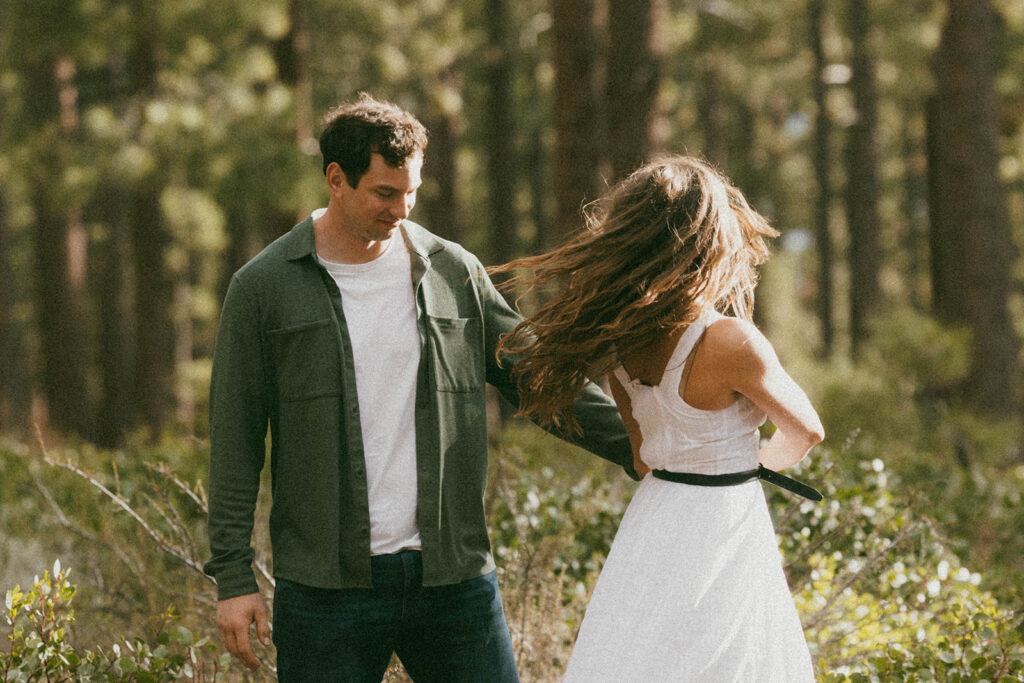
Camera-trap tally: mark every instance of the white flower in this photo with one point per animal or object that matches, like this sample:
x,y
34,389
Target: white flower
x,y
933,587
943,570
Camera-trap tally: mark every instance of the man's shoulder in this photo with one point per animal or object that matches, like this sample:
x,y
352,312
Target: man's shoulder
x,y
437,249
279,254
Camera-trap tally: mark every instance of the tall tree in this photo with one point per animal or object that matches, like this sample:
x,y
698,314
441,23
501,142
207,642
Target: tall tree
x,y
14,386
822,175
115,414
60,247
970,223
915,184
862,194
438,201
635,53
578,153
500,135
154,287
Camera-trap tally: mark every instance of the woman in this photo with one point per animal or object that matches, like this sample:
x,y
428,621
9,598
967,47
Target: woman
x,y
693,587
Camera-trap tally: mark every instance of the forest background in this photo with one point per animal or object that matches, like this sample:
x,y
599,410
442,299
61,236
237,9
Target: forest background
x,y
148,149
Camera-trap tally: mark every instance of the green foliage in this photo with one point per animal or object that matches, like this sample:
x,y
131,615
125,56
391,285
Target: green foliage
x,y
887,581
905,402
881,591
41,646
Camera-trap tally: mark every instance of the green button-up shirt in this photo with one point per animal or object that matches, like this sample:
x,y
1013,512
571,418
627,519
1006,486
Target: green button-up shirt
x,y
283,358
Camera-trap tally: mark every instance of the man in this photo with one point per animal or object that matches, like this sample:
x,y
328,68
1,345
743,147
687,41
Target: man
x,y
364,341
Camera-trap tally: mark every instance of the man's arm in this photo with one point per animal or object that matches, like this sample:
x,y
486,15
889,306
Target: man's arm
x,y
238,428
603,432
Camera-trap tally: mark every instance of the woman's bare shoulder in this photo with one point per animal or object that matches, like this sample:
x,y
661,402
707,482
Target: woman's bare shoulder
x,y
738,341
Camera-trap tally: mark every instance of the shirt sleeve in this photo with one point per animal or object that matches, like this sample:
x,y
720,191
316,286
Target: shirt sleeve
x,y
603,432
238,429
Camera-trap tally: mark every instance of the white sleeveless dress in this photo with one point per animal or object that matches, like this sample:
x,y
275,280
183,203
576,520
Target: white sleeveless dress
x,y
693,587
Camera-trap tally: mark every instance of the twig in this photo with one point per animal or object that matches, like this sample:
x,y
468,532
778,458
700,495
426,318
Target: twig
x,y
162,543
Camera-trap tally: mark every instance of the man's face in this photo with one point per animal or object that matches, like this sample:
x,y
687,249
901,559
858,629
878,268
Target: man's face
x,y
384,197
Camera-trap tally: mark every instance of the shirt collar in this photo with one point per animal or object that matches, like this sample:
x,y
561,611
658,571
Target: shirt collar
x,y
301,241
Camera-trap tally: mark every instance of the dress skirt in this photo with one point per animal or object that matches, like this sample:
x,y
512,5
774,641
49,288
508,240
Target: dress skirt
x,y
692,590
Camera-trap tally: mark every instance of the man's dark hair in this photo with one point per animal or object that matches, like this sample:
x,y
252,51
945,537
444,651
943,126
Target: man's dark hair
x,y
355,130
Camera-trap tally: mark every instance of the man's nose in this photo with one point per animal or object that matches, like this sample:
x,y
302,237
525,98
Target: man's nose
x,y
402,207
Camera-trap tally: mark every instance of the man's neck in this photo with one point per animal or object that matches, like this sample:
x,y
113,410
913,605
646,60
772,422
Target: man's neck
x,y
334,245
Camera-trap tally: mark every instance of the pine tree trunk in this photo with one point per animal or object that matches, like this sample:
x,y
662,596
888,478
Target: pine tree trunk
x,y
635,56
154,287
15,390
578,146
915,200
500,136
301,44
969,214
60,258
948,269
822,170
116,360
440,208
862,196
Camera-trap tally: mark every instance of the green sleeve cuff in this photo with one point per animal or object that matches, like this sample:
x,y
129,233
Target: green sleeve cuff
x,y
236,581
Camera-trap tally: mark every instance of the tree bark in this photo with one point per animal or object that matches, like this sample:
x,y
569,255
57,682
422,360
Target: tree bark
x,y
635,54
969,214
822,170
915,184
60,257
440,206
301,43
862,196
502,168
15,388
576,111
948,269
154,287
116,358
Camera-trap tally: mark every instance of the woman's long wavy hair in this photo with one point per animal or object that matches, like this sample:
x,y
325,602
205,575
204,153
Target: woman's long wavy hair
x,y
670,241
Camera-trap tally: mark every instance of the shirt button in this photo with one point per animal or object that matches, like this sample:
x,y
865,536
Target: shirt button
x,y
365,532
360,472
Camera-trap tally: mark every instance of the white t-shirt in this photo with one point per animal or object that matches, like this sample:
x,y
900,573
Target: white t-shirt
x,y
380,310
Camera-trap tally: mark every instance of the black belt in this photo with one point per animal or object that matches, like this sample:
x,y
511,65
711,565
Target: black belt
x,y
734,478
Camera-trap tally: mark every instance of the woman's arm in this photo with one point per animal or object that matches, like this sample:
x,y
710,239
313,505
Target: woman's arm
x,y
745,360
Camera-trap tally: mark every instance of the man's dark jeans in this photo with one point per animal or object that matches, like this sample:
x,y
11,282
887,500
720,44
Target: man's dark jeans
x,y
451,633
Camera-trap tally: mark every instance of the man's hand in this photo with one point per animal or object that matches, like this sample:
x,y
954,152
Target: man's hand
x,y
234,616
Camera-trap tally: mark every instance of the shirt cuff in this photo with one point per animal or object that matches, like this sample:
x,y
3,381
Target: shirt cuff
x,y
236,581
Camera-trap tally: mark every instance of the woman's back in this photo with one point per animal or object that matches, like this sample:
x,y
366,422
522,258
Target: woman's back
x,y
679,437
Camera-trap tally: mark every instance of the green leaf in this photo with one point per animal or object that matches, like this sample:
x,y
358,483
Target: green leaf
x,y
183,636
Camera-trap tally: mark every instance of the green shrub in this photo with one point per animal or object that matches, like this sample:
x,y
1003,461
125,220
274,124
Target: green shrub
x,y
891,579
881,591
41,623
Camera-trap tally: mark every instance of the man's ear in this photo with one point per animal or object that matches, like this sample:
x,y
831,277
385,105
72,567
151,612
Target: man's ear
x,y
336,177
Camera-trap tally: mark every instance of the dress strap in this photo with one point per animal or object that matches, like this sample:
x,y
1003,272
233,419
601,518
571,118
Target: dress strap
x,y
673,373
620,374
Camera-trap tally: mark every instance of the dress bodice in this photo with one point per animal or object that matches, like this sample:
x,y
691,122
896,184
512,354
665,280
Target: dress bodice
x,y
681,438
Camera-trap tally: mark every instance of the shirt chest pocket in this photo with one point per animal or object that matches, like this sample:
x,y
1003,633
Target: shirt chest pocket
x,y
306,360
456,353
